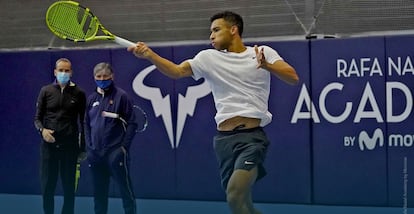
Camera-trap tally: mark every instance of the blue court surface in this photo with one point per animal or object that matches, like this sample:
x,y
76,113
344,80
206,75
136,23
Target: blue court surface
x,y
32,204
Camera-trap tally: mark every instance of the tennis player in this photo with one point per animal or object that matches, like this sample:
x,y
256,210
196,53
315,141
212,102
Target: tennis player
x,y
239,77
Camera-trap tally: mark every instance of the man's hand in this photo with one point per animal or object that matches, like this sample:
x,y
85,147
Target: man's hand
x,y
47,135
261,61
140,50
82,156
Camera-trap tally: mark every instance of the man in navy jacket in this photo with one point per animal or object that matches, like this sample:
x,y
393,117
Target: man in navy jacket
x,y
108,139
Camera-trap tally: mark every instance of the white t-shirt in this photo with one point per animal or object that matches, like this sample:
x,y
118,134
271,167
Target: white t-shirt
x,y
238,87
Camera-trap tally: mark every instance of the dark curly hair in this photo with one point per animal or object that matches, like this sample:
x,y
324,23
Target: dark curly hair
x,y
230,17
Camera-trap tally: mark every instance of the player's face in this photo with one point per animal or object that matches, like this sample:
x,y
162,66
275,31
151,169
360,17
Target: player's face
x,y
221,34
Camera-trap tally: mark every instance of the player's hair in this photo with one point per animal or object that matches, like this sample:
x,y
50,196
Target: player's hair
x,y
62,60
102,66
230,17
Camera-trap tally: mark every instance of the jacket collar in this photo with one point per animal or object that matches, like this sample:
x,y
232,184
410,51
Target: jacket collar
x,y
70,84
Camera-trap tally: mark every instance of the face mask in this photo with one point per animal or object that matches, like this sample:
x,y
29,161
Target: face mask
x,y
63,77
103,84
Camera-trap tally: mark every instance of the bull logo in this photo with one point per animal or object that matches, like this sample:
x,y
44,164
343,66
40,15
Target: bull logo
x,y
162,105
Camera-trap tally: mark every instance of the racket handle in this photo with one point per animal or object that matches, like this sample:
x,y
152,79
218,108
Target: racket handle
x,y
123,42
110,114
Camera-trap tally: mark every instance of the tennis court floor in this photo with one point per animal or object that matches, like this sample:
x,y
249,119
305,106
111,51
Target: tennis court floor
x,y
32,204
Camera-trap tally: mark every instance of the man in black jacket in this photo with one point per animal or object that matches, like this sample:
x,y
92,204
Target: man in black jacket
x,y
59,119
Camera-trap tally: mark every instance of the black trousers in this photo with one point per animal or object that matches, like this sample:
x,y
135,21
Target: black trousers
x,y
113,164
58,161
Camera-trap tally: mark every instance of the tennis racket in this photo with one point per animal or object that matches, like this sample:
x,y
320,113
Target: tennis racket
x,y
71,21
81,157
139,115
77,175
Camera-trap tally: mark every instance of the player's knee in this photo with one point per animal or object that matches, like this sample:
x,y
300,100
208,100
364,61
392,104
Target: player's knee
x,y
235,197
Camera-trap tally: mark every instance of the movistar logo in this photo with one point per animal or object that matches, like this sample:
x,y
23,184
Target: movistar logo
x,y
367,142
378,139
162,104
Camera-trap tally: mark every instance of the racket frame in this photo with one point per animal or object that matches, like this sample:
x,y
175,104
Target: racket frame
x,y
144,126
77,175
53,27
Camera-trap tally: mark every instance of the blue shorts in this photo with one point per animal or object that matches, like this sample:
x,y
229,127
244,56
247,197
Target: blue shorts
x,y
240,149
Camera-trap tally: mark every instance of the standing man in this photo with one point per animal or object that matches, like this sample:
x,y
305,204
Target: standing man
x,y
60,110
109,130
239,77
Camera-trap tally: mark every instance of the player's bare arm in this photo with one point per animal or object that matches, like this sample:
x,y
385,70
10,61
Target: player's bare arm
x,y
170,69
280,68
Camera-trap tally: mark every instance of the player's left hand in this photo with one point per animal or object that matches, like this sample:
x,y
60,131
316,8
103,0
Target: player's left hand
x,y
261,61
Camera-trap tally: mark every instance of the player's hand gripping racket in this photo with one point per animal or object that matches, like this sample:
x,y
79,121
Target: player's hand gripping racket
x,y
71,21
140,118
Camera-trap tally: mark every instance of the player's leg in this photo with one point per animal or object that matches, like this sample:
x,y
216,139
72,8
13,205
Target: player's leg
x,y
255,211
119,166
239,191
240,155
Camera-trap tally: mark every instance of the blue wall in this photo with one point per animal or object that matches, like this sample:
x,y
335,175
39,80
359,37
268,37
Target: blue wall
x,y
323,148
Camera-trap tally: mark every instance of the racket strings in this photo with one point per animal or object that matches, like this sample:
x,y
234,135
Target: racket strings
x,y
72,22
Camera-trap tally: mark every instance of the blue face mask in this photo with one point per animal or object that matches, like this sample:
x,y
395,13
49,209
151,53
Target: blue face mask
x,y
103,84
63,77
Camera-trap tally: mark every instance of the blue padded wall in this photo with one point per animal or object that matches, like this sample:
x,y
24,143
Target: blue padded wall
x,y
342,136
